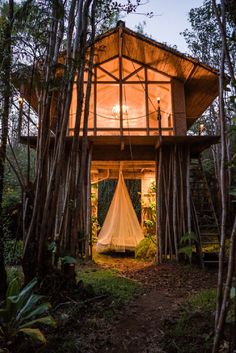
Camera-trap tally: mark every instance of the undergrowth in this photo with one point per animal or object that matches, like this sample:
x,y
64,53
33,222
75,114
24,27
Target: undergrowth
x,y
14,272
146,249
13,251
105,291
192,331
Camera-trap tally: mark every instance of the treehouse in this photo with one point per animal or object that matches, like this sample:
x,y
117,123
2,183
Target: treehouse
x,y
144,98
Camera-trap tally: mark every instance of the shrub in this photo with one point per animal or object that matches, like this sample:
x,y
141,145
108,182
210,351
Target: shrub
x,y
15,273
13,251
146,249
22,313
193,330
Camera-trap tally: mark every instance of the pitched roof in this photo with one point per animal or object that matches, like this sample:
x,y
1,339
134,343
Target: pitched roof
x,y
200,80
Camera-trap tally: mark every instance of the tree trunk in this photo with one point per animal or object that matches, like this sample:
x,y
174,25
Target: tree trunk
x,y
6,96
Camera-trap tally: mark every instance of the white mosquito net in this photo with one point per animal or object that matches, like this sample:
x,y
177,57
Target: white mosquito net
x,y
121,229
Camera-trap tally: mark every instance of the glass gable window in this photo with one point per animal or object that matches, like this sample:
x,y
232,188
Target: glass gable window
x,y
124,100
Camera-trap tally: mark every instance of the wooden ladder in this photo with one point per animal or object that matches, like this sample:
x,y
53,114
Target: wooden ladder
x,y
204,219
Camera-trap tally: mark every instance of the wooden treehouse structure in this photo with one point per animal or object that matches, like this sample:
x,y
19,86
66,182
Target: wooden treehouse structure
x,y
145,96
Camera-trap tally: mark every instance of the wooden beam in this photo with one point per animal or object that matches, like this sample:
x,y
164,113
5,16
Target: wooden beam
x,y
109,74
130,82
129,129
191,73
148,67
146,101
120,80
106,60
132,73
113,153
127,165
95,103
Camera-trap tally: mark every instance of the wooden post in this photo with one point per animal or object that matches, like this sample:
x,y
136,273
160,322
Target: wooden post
x,y
158,203
157,219
88,233
146,101
188,201
95,102
159,117
188,190
158,186
120,79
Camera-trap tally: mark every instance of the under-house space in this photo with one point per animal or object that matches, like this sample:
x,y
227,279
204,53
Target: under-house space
x,y
144,98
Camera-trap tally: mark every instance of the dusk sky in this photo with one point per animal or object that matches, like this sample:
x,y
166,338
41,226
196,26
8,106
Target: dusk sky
x,y
170,18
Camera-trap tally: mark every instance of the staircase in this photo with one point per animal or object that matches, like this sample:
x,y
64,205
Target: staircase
x,y
205,223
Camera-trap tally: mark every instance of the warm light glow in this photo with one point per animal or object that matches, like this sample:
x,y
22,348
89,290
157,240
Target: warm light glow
x,y
158,100
202,126
116,109
20,100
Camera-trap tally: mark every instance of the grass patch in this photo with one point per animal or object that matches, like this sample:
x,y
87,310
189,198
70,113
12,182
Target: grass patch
x,y
204,301
110,283
192,332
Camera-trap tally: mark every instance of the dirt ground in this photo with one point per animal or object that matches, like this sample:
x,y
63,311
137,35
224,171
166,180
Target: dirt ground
x,y
138,327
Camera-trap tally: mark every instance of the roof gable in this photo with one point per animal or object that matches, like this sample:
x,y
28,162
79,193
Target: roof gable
x,y
200,81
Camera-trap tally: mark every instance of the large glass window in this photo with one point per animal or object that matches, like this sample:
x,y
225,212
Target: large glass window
x,y
107,99
161,91
140,87
73,107
134,116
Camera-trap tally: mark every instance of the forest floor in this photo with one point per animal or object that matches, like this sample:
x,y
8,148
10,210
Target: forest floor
x,y
139,325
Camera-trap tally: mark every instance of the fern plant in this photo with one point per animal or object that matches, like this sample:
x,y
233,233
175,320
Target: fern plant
x,y
186,244
23,312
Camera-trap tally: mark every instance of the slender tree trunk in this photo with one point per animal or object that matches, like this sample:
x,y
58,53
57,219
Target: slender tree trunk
x,y
223,292
226,293
223,191
6,96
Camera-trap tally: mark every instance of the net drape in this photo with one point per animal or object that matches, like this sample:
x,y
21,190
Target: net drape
x,y
121,229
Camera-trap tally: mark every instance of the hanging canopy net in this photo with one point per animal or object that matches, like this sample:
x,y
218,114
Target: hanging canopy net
x,y
121,230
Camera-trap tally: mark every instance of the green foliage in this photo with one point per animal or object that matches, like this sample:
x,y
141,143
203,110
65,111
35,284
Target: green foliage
x,y
205,300
193,330
108,15
12,190
231,315
68,260
149,209
107,282
23,313
146,249
95,228
186,244
203,38
13,251
15,273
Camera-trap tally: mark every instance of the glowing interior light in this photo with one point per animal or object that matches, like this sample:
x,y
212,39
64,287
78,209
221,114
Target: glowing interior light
x,y
202,126
158,100
20,100
116,109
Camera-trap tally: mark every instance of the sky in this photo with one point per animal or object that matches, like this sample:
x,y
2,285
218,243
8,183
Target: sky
x,y
170,18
